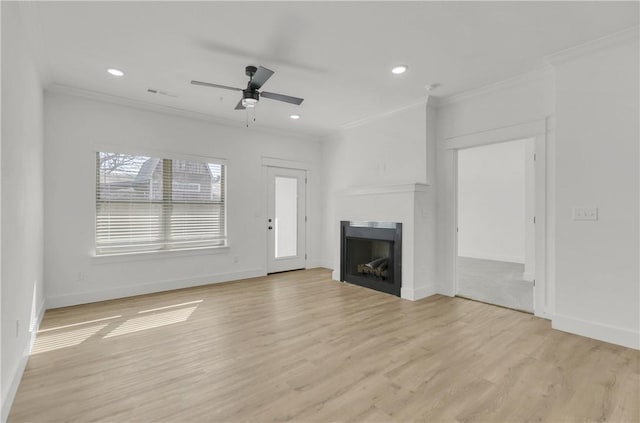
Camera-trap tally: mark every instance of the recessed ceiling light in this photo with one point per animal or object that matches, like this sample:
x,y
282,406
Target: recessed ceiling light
x,y
294,117
399,69
115,72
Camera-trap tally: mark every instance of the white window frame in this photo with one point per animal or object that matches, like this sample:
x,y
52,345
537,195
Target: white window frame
x,y
136,255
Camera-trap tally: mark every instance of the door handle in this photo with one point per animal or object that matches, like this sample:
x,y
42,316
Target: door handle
x,y
270,227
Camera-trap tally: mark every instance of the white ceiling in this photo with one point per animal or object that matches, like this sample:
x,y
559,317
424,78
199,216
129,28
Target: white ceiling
x,y
336,55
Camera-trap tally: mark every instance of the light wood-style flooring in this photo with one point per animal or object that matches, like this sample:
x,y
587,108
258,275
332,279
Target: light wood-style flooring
x,y
299,347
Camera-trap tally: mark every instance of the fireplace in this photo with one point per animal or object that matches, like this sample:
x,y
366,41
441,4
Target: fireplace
x,y
371,255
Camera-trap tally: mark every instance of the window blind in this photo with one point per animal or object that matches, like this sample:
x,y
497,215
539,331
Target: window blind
x,y
148,203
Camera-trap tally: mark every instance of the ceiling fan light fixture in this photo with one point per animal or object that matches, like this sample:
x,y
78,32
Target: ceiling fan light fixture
x,y
115,72
249,102
295,117
400,69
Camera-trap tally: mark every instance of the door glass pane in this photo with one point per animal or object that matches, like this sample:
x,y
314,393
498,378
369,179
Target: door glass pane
x,y
286,224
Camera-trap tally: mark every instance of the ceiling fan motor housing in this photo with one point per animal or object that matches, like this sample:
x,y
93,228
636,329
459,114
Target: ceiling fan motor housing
x,y
250,71
251,94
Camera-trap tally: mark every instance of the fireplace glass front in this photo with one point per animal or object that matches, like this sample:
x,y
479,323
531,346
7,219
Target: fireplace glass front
x,y
370,259
371,255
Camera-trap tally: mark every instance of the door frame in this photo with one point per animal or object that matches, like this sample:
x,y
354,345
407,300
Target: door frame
x,y
268,162
544,293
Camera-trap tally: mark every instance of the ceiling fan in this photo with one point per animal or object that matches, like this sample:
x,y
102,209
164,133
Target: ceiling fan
x,y
250,95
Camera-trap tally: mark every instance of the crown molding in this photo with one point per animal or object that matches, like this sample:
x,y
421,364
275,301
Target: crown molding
x,y
524,78
372,118
547,69
174,111
620,37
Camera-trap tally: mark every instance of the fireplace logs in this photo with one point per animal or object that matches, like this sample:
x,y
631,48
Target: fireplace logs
x,y
376,268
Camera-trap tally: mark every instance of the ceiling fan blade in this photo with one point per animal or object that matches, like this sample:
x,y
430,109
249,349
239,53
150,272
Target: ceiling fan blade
x,y
239,106
208,84
260,78
282,97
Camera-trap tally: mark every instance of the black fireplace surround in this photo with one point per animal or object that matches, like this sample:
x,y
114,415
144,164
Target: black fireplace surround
x,y
371,255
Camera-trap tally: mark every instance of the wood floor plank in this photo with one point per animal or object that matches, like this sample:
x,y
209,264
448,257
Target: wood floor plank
x,y
299,347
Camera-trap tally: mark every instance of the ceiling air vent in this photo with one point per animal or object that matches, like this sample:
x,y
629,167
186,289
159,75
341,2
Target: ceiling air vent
x,y
161,92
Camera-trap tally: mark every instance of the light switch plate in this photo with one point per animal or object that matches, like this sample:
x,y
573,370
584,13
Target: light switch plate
x,y
585,213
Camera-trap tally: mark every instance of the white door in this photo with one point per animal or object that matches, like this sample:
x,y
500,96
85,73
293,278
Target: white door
x,y
286,216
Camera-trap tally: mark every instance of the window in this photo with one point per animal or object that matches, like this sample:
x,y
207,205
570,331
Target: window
x,y
151,204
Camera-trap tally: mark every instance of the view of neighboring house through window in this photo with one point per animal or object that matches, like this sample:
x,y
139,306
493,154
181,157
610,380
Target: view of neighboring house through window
x,y
149,203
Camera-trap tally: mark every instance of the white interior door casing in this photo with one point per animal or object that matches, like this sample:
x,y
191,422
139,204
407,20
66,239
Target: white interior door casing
x,y
542,132
286,219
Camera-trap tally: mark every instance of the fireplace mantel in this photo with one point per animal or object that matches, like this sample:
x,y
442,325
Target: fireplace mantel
x,y
413,205
383,189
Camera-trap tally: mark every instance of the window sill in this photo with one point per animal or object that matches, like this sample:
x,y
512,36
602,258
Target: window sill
x,y
154,255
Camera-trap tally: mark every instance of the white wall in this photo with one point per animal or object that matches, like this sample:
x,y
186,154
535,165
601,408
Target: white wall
x,y
495,109
491,202
590,101
597,129
378,170
76,127
384,151
22,205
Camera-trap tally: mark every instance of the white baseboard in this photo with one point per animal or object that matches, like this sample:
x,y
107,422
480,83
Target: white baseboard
x,y
36,325
12,390
510,259
7,401
417,294
327,264
313,264
335,275
148,288
614,335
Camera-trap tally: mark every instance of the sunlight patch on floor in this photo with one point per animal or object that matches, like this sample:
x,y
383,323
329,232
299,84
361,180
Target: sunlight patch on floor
x,y
151,321
170,306
79,324
62,339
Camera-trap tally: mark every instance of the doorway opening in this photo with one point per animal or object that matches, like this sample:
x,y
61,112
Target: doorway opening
x,y
495,261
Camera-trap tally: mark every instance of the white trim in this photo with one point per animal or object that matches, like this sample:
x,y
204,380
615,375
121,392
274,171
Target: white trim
x,y
417,294
514,132
66,300
335,274
175,111
384,189
537,130
36,327
319,264
612,334
284,163
325,264
528,276
372,118
159,254
496,86
11,392
628,34
492,257
312,264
